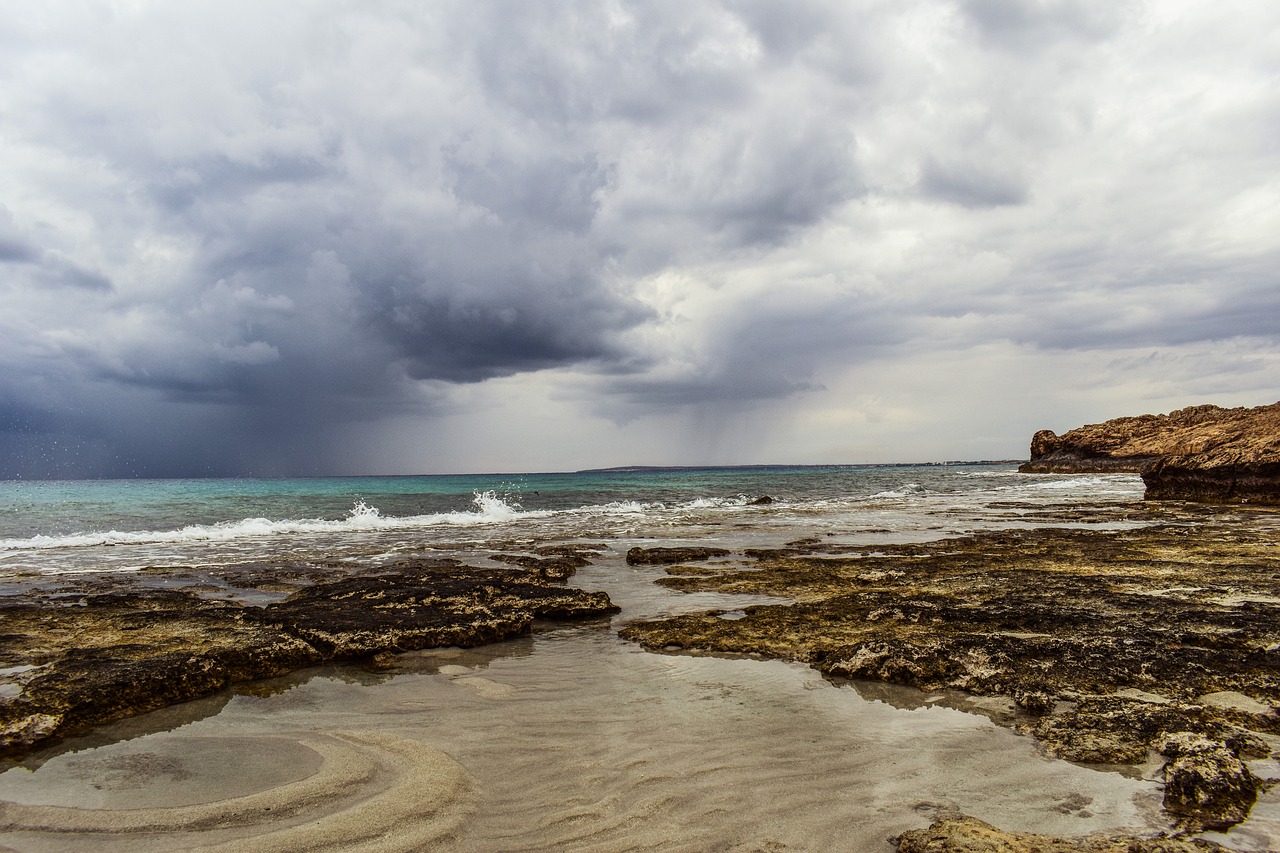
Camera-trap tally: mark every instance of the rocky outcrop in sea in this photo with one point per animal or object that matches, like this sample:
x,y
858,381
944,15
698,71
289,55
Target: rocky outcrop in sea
x,y
1201,453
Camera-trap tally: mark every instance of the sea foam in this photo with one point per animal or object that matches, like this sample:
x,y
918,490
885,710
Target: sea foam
x,y
488,508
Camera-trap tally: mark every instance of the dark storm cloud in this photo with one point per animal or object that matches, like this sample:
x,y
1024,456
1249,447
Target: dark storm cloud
x,y
230,230
495,322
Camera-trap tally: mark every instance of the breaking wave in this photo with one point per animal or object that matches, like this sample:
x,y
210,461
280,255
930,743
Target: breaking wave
x,y
1067,484
487,508
905,490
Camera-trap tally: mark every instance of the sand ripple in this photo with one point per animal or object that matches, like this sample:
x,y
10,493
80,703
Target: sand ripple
x,y
373,791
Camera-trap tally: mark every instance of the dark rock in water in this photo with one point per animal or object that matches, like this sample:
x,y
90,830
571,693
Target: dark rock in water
x,y
80,661
962,834
557,568
1201,453
381,662
772,553
668,556
763,500
360,616
104,657
1206,784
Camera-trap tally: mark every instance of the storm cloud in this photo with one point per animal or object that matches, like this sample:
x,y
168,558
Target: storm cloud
x,y
245,238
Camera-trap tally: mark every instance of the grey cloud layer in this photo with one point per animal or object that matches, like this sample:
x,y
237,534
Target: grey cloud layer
x,y
230,227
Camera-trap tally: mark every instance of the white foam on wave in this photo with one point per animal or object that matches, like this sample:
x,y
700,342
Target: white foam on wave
x,y
489,508
622,508
905,490
718,503
1069,483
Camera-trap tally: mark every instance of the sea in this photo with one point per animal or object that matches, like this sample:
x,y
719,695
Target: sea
x,y
124,525
569,739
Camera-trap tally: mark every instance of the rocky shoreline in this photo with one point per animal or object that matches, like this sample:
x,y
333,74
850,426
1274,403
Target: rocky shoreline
x,y
1114,635
1110,645
81,651
1202,453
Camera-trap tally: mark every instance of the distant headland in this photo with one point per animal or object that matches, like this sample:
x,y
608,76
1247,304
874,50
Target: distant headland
x,y
1200,453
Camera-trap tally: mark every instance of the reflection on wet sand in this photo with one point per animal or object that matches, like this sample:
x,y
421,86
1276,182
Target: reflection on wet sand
x,y
569,740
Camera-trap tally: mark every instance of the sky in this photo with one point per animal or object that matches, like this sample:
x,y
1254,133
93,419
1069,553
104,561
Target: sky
x,y
246,238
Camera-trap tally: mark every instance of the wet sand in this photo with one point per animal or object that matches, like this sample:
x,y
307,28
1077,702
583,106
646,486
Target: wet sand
x,y
569,740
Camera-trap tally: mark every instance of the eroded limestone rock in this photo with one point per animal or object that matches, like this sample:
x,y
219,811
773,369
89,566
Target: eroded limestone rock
x,y
75,658
1206,783
1201,453
969,835
668,556
1108,641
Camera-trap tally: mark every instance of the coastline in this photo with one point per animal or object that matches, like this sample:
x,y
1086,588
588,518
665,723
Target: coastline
x,y
1109,646
712,618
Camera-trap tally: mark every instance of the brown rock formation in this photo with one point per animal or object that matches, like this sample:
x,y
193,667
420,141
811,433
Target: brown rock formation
x,y
963,834
69,662
1201,453
667,556
1109,643
1206,783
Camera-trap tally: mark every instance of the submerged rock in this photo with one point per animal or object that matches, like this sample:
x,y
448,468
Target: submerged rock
x,y
1201,453
558,567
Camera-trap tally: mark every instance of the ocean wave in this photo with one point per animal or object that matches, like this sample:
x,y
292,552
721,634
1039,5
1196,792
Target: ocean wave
x,y
905,490
488,508
1065,484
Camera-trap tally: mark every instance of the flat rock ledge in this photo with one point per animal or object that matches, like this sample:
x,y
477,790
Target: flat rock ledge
x,y
1109,646
1202,453
962,834
76,656
669,556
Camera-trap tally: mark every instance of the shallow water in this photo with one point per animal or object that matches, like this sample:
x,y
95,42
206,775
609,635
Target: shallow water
x,y
574,740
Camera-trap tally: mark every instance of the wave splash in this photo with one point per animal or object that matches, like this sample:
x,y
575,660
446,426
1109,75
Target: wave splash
x,y
487,508
903,491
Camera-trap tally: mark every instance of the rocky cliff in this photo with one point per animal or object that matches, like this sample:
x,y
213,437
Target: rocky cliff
x,y
1201,453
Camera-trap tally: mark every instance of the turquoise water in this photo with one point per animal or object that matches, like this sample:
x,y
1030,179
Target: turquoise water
x,y
54,526
54,508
